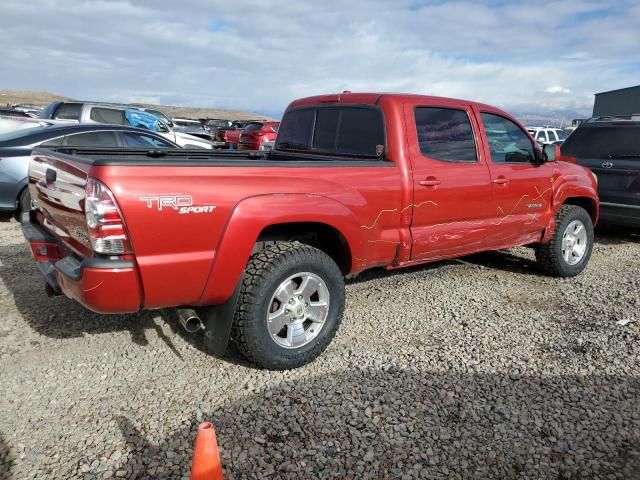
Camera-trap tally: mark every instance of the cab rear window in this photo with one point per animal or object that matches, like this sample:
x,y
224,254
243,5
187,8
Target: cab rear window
x,y
353,131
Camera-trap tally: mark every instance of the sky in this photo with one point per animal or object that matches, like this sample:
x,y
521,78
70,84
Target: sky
x,y
540,56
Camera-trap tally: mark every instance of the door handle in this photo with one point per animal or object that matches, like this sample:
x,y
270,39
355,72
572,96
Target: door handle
x,y
430,182
500,181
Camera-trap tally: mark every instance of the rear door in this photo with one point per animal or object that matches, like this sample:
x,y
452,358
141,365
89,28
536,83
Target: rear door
x,y
522,187
612,151
451,183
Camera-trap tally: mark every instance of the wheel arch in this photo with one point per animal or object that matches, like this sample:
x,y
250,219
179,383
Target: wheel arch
x,y
320,221
587,203
320,235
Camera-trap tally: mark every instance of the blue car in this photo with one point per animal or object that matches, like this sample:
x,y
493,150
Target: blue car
x,y
16,147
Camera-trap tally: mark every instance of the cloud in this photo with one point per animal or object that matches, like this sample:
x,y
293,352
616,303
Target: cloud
x,y
557,89
259,55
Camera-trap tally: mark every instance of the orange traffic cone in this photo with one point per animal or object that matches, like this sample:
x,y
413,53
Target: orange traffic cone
x,y
205,464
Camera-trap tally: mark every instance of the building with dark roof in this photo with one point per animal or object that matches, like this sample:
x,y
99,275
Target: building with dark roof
x,y
624,101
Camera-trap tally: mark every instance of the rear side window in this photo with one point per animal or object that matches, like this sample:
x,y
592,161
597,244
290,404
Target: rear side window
x,y
604,142
445,134
348,130
92,139
135,140
108,115
68,111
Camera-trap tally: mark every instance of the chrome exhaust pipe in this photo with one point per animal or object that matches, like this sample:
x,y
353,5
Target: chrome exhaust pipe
x,y
189,320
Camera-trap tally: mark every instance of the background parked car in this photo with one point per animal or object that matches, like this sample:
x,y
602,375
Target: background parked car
x,y
9,112
231,137
547,135
258,136
16,147
192,127
610,147
28,108
95,112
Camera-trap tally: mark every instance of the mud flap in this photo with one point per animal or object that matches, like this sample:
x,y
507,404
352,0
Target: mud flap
x,y
218,323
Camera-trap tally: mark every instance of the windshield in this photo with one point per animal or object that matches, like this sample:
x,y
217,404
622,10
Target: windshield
x,y
562,135
253,126
159,114
218,123
23,131
603,142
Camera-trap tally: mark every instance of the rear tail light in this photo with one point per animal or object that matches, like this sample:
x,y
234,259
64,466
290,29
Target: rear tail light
x,y
105,223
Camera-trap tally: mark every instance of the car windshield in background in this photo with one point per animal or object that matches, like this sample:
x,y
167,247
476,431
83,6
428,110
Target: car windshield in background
x,y
219,123
253,126
16,134
562,135
352,131
604,142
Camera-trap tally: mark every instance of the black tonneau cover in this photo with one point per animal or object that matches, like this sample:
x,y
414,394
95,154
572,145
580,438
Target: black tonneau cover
x,y
201,157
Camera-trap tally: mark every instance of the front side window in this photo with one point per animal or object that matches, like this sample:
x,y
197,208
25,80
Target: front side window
x,y
336,130
507,142
55,142
445,134
108,115
542,137
135,140
92,139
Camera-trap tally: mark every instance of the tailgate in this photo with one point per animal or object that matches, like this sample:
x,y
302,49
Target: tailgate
x,y
57,183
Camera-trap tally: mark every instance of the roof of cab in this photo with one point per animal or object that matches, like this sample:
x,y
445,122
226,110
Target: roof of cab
x,y
374,98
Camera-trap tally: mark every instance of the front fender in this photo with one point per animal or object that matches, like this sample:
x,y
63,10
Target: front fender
x,y
251,216
573,188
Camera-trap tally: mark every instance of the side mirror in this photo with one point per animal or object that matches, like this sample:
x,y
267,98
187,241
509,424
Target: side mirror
x,y
551,152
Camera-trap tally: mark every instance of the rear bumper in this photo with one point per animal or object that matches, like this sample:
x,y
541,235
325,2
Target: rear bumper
x,y
102,285
620,214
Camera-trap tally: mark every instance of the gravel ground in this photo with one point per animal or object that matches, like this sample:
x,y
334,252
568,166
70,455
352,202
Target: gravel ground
x,y
479,368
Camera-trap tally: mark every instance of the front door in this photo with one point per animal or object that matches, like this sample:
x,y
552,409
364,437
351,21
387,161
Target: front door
x,y
452,186
522,185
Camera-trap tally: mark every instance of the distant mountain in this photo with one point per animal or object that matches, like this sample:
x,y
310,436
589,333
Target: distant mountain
x,y
45,98
561,118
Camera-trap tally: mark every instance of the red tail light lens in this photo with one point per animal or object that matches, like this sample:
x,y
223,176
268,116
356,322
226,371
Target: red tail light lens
x,y
105,223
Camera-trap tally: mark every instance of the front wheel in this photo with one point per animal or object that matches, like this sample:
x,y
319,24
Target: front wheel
x,y
569,250
290,305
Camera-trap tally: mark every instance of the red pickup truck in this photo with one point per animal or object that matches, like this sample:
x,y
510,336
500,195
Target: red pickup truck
x,y
255,246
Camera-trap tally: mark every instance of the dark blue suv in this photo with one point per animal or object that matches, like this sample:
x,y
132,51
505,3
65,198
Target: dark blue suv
x,y
610,147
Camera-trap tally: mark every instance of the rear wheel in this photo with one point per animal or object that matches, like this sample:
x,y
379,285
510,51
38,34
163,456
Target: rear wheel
x,y
290,306
24,203
569,250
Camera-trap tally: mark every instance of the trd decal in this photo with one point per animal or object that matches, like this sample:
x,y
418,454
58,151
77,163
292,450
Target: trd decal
x,y
183,204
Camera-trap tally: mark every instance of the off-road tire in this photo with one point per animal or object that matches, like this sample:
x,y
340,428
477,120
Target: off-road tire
x,y
549,255
265,271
